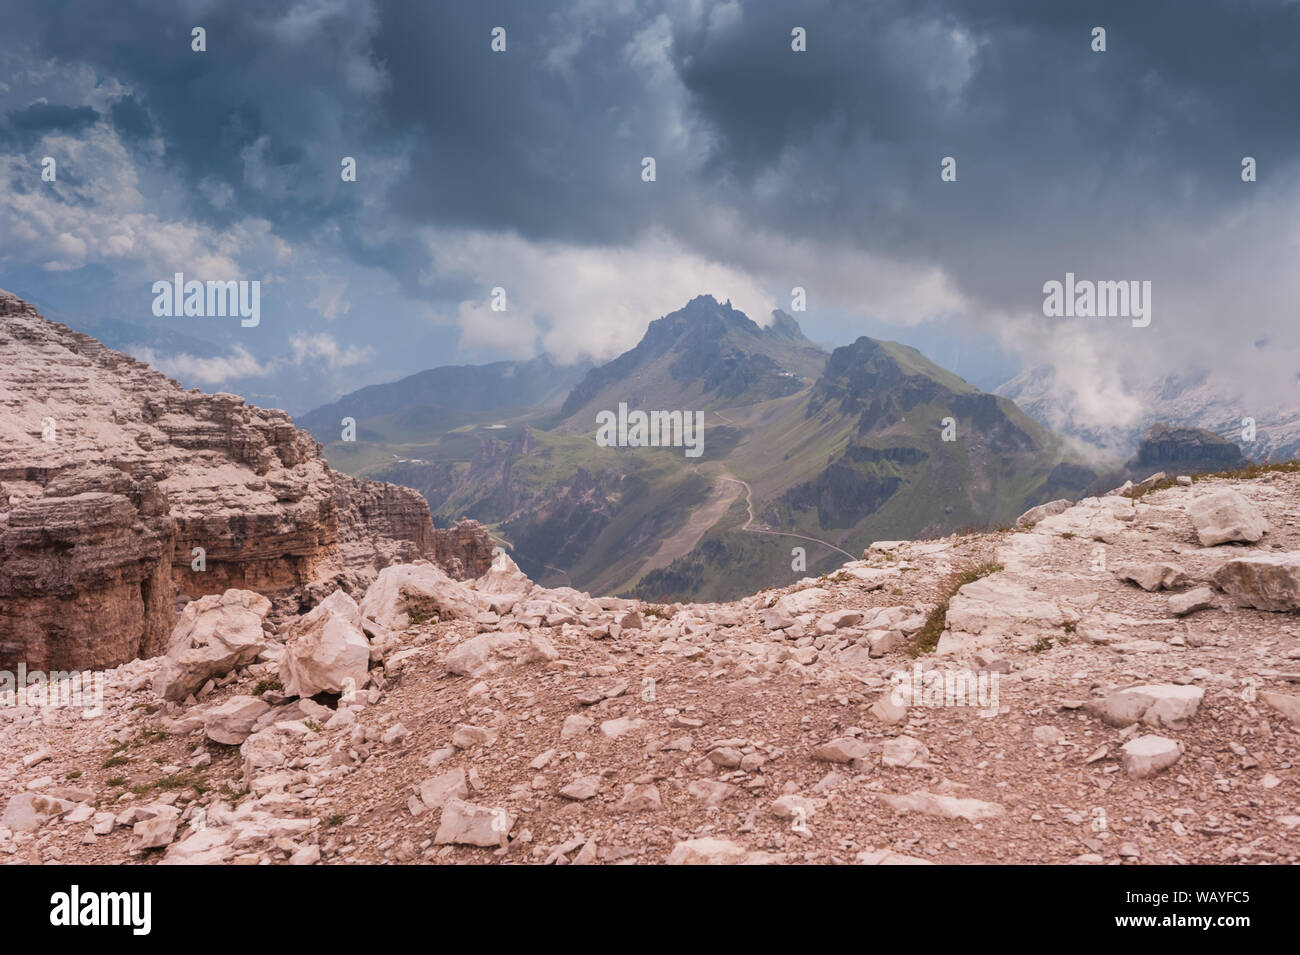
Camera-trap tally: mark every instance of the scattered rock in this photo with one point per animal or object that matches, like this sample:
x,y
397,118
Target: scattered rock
x,y
1224,516
1262,581
1199,599
1148,755
232,722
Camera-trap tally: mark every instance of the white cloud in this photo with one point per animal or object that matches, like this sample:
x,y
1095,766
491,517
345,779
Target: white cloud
x,y
238,363
324,349
583,302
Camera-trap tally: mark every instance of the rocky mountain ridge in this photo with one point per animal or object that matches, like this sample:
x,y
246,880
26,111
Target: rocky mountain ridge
x,y
1112,682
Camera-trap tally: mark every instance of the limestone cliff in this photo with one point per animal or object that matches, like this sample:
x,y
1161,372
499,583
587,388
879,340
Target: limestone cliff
x,y
123,494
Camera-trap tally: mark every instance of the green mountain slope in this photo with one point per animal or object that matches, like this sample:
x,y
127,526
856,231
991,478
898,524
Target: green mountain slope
x,y
831,451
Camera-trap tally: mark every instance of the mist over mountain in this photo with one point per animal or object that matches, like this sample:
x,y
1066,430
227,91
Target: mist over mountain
x,y
1195,398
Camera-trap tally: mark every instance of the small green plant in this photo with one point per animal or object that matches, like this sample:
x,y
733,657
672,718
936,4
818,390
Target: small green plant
x,y
264,686
75,774
115,761
117,781
1043,643
334,821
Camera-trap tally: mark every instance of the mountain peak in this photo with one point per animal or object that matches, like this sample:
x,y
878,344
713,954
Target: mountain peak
x,y
705,350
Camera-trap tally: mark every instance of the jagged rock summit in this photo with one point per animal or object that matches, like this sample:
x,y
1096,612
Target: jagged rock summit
x,y
122,495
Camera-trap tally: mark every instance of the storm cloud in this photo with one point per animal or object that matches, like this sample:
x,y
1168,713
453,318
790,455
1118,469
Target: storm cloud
x,y
774,168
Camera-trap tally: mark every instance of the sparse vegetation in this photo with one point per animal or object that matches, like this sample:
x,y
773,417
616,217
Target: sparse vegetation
x,y
265,686
419,615
927,638
1254,470
1041,644
115,761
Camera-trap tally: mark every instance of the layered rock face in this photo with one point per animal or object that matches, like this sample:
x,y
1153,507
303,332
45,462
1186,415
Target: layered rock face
x,y
122,495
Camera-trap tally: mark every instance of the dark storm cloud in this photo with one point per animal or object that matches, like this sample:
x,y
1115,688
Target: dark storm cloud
x,y
507,142
50,118
131,119
282,97
25,126
1052,140
840,144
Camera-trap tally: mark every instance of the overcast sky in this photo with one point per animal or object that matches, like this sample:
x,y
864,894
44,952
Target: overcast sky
x,y
775,168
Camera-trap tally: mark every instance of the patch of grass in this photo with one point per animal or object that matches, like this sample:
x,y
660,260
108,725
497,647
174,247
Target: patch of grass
x,y
1255,470
419,615
655,610
334,821
927,638
115,761
150,736
116,781
264,686
1043,643
75,774
234,795
183,780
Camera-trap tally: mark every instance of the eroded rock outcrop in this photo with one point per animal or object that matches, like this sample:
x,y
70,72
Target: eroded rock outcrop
x,y
122,495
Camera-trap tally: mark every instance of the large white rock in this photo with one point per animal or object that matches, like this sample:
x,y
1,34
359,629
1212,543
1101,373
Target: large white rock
x,y
947,807
326,652
421,588
437,790
27,812
474,656
1156,705
214,635
1287,705
801,601
158,830
206,847
232,721
1223,516
1263,581
709,851
465,823
1041,512
504,577
1147,755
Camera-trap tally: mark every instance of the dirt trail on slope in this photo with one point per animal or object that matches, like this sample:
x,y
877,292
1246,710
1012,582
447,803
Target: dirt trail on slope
x,y
697,525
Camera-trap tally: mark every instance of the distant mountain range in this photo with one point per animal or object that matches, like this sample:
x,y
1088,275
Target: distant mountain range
x,y
803,449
